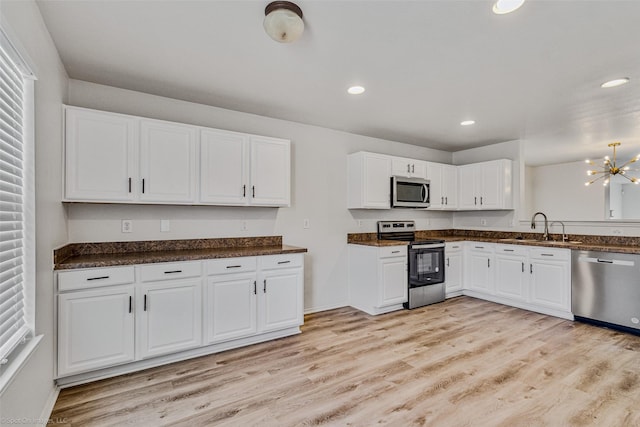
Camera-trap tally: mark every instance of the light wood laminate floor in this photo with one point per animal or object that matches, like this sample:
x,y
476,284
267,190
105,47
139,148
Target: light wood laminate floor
x,y
464,362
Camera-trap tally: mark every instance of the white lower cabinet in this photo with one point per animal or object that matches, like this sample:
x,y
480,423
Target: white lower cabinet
x,y
478,271
453,268
169,317
95,329
512,275
249,296
530,277
107,317
377,278
550,271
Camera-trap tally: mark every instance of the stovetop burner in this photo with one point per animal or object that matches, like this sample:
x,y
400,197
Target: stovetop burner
x,y
402,231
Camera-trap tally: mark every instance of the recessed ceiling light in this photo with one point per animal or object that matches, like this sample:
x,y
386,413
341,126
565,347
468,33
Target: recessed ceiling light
x,y
500,7
355,90
615,82
467,122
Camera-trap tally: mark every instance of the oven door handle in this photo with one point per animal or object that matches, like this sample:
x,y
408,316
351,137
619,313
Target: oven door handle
x,y
429,246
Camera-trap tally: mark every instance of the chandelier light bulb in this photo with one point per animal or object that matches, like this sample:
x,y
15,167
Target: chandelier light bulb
x,y
610,167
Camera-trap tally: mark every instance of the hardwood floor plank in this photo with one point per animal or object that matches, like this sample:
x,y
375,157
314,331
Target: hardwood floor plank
x,y
463,362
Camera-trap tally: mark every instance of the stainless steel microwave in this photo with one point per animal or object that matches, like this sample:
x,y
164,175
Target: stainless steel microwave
x,y
409,192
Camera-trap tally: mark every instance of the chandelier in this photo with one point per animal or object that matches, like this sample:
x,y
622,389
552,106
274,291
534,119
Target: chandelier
x,y
610,168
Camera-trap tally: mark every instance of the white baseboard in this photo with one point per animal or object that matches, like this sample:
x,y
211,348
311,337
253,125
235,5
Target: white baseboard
x,y
45,416
324,308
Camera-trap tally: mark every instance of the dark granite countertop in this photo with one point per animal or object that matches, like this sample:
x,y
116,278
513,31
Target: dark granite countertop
x,y
107,254
629,245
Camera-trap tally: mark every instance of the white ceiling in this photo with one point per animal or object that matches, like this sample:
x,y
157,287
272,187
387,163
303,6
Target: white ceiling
x,y
533,75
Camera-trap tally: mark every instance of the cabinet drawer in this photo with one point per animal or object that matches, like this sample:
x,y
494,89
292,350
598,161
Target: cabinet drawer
x,y
480,246
281,261
453,247
392,251
511,250
549,253
231,265
168,271
95,278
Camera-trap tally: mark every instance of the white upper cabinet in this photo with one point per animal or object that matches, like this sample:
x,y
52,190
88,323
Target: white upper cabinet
x,y
369,185
486,185
270,172
167,162
223,170
116,158
443,186
409,168
100,158
238,169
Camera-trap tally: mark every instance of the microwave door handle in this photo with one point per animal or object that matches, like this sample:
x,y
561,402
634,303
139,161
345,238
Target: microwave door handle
x,y
425,193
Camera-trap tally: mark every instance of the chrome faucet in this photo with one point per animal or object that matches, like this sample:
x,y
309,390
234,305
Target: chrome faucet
x,y
564,236
545,235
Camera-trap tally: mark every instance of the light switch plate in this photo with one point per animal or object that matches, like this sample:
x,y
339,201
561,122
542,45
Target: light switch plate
x,y
127,226
165,225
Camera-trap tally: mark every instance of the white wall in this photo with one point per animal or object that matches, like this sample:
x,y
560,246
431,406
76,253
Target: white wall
x,y
319,159
31,392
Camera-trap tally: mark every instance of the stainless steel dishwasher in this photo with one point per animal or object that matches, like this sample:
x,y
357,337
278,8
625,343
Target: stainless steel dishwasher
x,y
605,288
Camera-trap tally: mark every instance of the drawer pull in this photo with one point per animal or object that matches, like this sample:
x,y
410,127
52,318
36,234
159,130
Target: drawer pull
x,y
479,247
173,272
145,303
255,288
284,262
97,278
264,289
234,266
130,303
546,254
508,250
395,252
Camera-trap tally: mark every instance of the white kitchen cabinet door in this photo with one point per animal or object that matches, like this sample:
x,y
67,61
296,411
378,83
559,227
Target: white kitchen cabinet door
x,y
280,299
410,168
101,157
511,277
270,172
95,329
468,187
169,317
393,275
436,195
479,258
230,307
551,284
449,186
453,267
224,171
491,195
369,182
167,162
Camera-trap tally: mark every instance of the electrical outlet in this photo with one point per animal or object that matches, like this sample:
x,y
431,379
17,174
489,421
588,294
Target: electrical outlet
x,y
127,226
244,226
359,223
483,221
165,225
305,223
617,231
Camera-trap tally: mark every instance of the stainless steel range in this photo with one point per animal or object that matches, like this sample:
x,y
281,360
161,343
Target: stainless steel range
x,y
425,262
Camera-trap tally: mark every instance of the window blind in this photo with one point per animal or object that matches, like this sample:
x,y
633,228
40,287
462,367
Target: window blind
x,y
13,325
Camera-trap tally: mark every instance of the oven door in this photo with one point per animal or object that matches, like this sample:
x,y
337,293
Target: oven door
x,y
426,265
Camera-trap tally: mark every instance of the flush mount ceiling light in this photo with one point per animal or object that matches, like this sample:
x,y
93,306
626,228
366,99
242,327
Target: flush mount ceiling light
x,y
500,7
610,168
356,90
467,122
283,21
615,82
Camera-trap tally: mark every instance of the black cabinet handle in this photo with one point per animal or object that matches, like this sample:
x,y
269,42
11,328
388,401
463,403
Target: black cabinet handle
x,y
475,200
142,185
253,191
264,288
244,191
145,303
173,272
234,266
129,184
255,288
408,167
523,267
480,200
288,261
508,250
552,255
447,262
531,268
97,278
488,263
413,168
442,200
130,302
446,200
